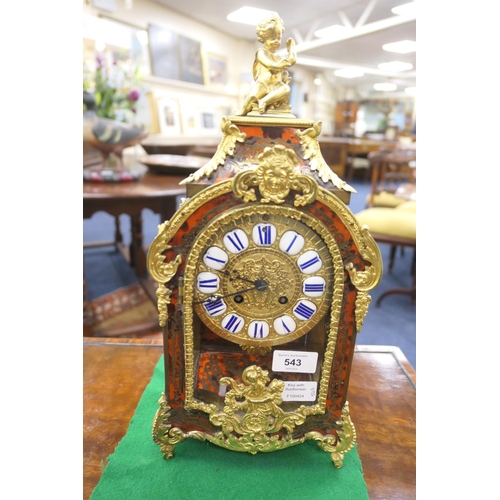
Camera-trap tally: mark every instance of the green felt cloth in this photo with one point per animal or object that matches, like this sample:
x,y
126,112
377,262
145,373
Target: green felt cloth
x,y
203,471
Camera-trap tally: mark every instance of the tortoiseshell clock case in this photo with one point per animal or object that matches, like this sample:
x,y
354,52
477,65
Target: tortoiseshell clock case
x,y
263,277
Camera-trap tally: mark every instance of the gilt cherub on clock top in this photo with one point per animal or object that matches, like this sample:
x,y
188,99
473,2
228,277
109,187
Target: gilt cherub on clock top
x,y
270,89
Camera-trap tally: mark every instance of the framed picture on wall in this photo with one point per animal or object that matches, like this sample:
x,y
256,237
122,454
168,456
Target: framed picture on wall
x,y
164,53
168,116
191,62
189,118
215,69
209,121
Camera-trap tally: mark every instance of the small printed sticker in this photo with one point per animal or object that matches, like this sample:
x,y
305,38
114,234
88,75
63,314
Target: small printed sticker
x,y
300,391
295,361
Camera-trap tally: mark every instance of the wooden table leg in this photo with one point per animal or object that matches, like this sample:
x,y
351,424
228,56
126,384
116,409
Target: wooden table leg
x,y
118,232
88,316
168,208
137,253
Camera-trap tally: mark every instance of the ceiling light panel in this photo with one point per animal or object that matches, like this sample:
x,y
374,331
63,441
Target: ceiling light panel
x,y
349,73
406,9
331,31
395,66
385,86
248,15
402,47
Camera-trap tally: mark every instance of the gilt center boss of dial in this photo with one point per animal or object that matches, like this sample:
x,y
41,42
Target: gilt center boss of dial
x,y
262,279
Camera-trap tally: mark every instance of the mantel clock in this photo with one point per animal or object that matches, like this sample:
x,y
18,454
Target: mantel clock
x,y
263,283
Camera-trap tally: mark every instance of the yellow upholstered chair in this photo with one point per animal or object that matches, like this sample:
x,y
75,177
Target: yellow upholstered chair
x,y
397,227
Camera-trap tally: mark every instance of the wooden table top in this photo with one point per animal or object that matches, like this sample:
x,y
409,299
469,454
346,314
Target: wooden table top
x,y
149,186
167,164
382,402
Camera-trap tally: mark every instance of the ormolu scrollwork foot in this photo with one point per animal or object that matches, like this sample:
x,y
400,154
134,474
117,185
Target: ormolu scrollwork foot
x,y
337,446
337,459
163,433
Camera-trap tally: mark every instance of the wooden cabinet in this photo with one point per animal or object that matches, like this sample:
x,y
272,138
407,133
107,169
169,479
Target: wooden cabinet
x,y
345,118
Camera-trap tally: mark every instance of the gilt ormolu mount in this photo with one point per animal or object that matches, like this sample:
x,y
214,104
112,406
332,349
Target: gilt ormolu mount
x,y
263,277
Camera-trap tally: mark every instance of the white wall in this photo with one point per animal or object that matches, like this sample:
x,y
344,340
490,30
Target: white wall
x,y
239,54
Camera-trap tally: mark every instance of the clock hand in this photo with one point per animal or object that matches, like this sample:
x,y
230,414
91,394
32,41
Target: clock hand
x,y
260,285
213,298
238,277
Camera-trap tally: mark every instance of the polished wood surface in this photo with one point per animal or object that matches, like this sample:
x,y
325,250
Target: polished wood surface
x,y
203,146
382,401
154,191
173,164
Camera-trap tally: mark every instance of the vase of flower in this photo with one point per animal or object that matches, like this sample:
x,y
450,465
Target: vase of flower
x,y
109,108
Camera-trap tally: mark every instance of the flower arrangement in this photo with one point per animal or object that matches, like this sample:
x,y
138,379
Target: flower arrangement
x,y
115,87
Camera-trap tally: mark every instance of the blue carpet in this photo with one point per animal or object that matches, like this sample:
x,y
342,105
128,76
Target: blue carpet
x,y
392,323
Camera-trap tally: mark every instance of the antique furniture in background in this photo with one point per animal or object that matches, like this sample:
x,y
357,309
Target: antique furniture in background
x,y
389,168
198,146
170,164
345,118
157,192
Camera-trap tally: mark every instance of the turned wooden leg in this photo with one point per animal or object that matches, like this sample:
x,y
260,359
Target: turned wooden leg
x,y
88,316
118,231
137,253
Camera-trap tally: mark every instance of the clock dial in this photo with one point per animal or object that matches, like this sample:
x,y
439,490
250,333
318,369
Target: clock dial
x,y
263,278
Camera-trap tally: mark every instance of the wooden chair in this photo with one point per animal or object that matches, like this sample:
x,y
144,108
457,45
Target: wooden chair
x,y
389,168
397,227
355,164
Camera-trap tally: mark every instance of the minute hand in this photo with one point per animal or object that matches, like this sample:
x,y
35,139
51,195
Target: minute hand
x,y
213,298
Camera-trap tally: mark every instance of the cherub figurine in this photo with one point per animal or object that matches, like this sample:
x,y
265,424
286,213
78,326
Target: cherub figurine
x,y
270,89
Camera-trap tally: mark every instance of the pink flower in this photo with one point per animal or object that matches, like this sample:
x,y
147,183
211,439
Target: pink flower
x,y
99,59
134,95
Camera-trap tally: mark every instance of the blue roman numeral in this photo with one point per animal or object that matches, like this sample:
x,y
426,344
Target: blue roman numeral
x,y
265,235
258,332
304,311
214,307
236,241
232,324
309,263
211,283
291,244
285,327
216,260
310,287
